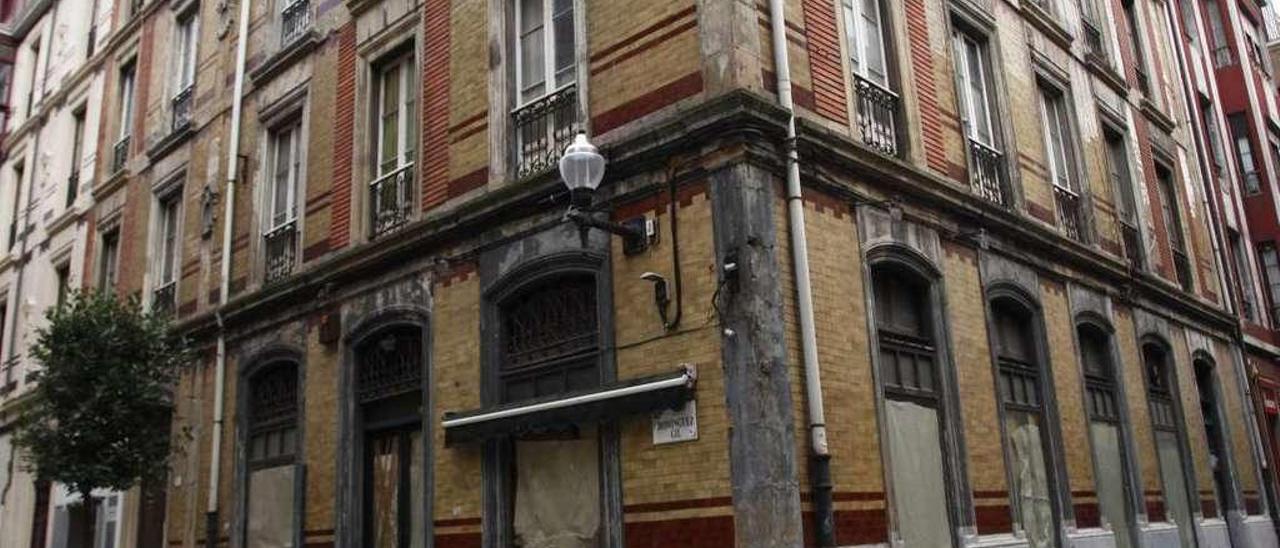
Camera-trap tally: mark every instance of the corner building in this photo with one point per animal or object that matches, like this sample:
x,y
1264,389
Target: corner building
x,y
1021,330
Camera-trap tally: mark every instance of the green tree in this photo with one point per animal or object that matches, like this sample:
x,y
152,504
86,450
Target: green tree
x,y
99,413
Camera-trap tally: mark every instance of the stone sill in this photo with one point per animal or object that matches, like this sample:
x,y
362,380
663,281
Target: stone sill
x,y
284,58
171,141
1047,24
109,185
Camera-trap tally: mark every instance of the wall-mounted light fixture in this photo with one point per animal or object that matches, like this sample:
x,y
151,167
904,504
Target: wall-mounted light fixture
x,y
582,169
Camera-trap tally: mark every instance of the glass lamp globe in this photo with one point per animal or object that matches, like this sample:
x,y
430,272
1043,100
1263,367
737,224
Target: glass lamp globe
x,y
582,169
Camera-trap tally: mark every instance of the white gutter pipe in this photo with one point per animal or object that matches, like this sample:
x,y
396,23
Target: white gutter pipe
x,y
224,289
820,467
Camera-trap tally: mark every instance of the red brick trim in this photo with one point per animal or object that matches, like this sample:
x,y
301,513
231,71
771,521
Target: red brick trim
x,y
825,63
457,522
926,90
716,531
1155,511
659,202
480,116
713,502
686,86
315,251
468,182
458,540
667,21
435,103
1209,508
1087,515
1040,212
687,25
344,138
993,519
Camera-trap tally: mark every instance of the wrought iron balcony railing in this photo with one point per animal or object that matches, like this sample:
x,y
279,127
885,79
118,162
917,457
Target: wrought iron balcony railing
x,y
1182,268
135,6
73,187
1132,241
1069,213
295,21
120,155
13,234
391,200
1223,57
543,129
182,103
877,115
281,246
986,174
164,299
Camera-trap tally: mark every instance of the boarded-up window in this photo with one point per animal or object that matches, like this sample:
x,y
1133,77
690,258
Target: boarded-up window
x,y
913,419
1161,388
551,346
1214,434
1102,403
1022,405
389,388
272,450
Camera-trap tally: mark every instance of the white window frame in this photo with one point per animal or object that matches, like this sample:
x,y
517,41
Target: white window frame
x,y
186,30
550,73
293,175
856,23
962,44
128,82
108,262
406,112
1059,155
169,197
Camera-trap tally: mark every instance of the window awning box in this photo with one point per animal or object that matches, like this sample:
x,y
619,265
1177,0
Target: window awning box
x,y
610,401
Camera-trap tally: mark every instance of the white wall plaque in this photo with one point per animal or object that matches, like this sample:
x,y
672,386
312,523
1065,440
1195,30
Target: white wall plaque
x,y
674,426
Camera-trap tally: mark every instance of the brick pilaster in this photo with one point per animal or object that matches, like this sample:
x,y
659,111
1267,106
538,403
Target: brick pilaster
x,y
823,42
343,138
435,104
926,91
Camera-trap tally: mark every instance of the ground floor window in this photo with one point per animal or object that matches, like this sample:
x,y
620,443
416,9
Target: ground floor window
x,y
394,488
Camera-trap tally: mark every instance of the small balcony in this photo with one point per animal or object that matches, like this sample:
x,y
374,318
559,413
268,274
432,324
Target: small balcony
x,y
182,105
543,129
1182,269
1223,57
1069,213
391,201
164,299
295,21
986,174
1131,238
120,155
280,247
73,187
877,115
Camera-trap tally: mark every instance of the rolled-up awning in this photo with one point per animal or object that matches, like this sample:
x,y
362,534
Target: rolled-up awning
x,y
604,402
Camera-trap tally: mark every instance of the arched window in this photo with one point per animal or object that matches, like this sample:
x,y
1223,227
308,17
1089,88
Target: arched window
x,y
551,346
914,410
1162,402
1022,405
272,449
1106,428
389,369
1214,433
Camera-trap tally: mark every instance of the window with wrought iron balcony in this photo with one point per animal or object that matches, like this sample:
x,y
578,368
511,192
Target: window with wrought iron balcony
x,y
184,100
977,104
877,106
120,151
295,21
1060,156
547,106
391,193
280,236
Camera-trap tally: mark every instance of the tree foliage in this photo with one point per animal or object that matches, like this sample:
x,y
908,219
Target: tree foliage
x,y
100,410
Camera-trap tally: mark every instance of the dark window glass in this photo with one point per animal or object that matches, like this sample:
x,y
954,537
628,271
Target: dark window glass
x,y
550,339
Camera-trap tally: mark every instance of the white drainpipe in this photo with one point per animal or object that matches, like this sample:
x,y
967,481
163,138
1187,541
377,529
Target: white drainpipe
x,y
820,469
224,289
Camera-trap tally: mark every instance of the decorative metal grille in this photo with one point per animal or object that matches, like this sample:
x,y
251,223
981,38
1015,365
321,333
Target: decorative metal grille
x,y
391,200
985,174
295,21
1182,267
1159,394
389,364
182,105
1100,396
877,115
73,187
543,129
1069,213
281,251
1132,243
120,155
551,323
273,398
164,299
